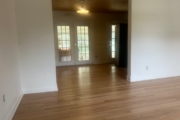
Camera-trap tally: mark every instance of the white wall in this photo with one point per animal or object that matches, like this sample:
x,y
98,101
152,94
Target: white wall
x,y
100,30
36,42
10,83
155,39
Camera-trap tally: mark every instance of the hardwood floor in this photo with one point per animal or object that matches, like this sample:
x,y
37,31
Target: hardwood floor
x,y
100,92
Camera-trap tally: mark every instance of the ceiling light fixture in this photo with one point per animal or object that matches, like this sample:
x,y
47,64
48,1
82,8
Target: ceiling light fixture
x,y
82,10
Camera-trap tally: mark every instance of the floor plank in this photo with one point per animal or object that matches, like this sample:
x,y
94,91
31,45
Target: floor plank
x,y
100,92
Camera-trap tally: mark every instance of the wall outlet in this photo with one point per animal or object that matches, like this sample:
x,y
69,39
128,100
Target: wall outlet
x,y
4,98
147,68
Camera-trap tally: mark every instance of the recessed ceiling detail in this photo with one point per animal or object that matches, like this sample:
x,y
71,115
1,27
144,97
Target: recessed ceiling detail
x,y
102,6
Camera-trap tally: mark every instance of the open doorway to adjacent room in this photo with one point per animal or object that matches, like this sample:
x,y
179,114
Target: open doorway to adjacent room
x,y
90,40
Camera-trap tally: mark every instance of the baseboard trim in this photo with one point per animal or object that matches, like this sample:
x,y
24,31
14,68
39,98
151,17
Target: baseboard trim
x,y
160,78
32,91
13,109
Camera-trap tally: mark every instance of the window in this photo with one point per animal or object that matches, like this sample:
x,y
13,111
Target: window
x,y
64,43
113,37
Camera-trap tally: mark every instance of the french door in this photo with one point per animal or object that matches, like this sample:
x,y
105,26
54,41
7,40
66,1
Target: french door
x,y
72,44
82,45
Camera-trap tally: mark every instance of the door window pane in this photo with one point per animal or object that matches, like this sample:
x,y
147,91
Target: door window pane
x,y
113,54
113,48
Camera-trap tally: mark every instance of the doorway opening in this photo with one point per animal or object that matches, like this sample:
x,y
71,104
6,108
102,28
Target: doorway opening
x,y
91,39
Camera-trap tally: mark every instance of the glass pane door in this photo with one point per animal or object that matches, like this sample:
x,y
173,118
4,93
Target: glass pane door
x,y
72,49
64,53
113,43
64,43
83,45
113,37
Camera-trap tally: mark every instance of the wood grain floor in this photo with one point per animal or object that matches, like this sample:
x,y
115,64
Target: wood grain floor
x,y
100,92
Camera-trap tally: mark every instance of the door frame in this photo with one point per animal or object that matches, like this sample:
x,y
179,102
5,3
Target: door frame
x,y
83,23
73,35
58,63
